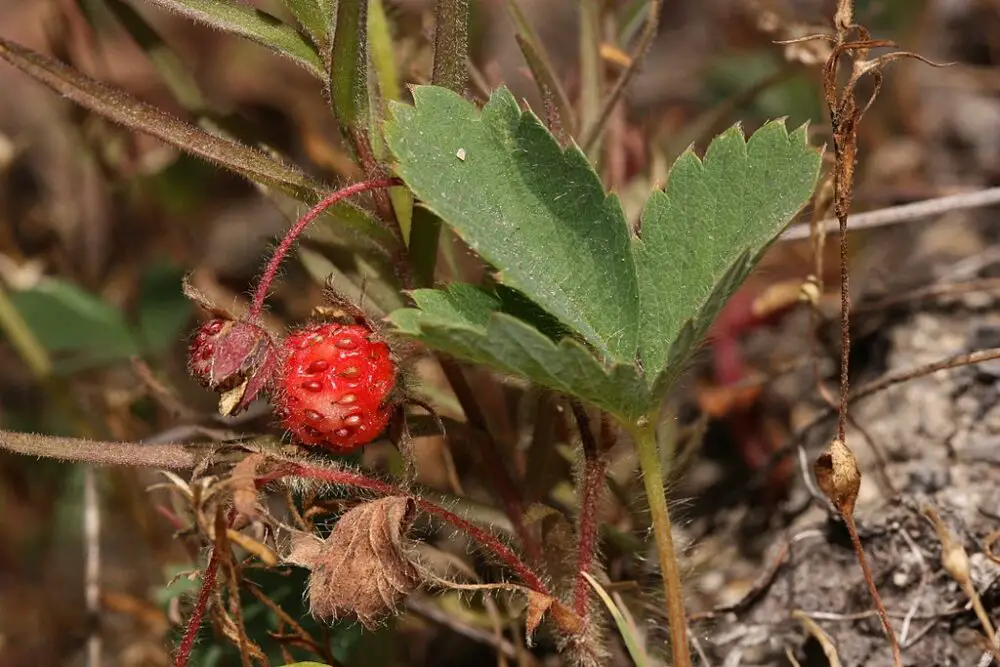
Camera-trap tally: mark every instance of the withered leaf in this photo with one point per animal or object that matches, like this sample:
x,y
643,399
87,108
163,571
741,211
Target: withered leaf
x,y
838,476
363,568
243,480
538,605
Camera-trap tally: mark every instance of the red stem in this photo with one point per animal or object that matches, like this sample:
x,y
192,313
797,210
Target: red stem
x,y
491,458
487,541
595,466
260,294
592,484
194,623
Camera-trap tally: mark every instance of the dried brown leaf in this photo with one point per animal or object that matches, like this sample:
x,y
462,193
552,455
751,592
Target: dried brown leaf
x,y
838,476
363,568
243,480
829,649
304,549
538,605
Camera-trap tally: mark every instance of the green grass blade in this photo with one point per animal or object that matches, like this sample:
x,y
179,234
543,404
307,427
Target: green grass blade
x,y
632,642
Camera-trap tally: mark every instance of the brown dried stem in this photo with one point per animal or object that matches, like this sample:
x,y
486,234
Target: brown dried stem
x,y
866,570
891,379
837,471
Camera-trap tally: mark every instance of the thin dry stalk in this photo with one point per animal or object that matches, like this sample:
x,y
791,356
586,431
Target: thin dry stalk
x,y
837,469
92,567
873,590
955,561
592,133
314,645
233,580
903,213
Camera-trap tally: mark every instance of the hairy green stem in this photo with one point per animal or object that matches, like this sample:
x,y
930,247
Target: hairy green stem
x,y
451,45
644,435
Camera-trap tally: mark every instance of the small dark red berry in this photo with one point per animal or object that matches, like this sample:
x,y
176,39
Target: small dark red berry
x,y
334,386
235,358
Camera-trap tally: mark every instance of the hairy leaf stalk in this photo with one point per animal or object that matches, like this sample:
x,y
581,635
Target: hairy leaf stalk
x,y
264,285
502,552
201,606
644,435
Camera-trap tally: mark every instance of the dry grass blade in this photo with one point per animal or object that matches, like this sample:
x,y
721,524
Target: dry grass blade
x,y
120,107
593,131
829,650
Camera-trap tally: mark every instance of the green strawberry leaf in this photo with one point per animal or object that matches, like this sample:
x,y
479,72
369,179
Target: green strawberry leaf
x,y
313,17
701,236
535,211
78,329
163,313
467,323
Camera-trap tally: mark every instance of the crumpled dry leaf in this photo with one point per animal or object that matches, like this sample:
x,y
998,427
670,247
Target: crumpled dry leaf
x,y
363,567
243,480
538,605
838,476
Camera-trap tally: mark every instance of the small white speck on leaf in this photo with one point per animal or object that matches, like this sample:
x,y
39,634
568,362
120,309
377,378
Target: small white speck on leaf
x,y
460,154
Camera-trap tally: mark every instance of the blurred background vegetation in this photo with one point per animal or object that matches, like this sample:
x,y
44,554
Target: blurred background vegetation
x,y
98,226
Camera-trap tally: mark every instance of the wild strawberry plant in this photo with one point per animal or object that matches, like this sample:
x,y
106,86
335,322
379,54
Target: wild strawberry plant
x,y
577,299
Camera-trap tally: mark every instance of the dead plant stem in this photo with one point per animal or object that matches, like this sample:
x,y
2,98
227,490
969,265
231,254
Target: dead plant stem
x,y
872,589
903,213
891,379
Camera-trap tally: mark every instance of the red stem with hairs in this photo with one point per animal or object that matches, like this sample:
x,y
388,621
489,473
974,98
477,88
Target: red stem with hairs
x,y
260,293
346,478
194,623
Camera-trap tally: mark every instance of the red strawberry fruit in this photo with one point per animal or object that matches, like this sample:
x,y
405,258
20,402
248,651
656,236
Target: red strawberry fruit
x,y
334,385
